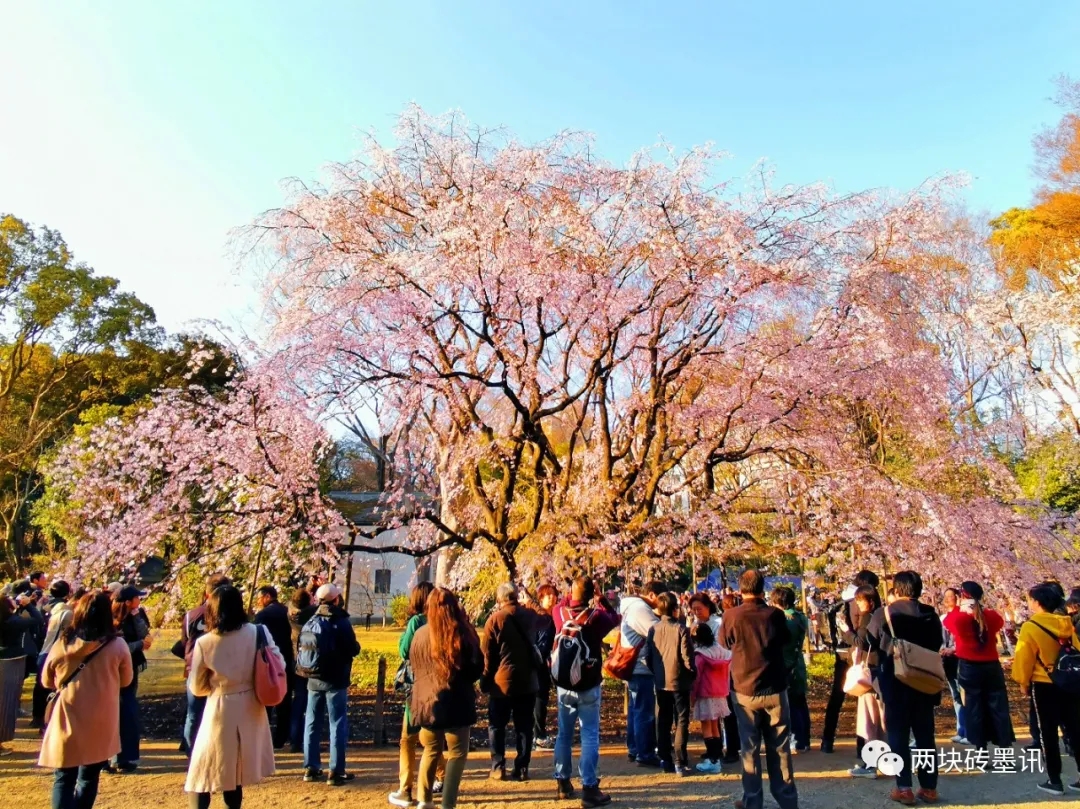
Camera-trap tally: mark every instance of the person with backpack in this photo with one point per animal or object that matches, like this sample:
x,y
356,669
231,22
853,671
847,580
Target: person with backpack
x,y
325,655
974,629
87,666
192,628
410,732
909,710
756,635
638,618
447,660
670,657
301,608
581,622
1047,642
511,664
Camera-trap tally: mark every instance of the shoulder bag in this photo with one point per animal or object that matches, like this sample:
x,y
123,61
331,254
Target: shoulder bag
x,y
270,682
50,703
916,666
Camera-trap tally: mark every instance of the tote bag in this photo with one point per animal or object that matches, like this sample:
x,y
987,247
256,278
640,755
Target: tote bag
x,y
916,666
270,681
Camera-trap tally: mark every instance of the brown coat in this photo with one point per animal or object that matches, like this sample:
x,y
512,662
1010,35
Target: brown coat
x,y
509,666
85,724
233,747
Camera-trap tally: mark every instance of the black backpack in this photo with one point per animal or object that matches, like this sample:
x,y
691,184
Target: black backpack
x,y
1066,671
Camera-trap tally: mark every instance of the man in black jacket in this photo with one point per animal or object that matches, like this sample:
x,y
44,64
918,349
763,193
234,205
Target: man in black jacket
x,y
756,634
842,624
511,680
275,617
328,683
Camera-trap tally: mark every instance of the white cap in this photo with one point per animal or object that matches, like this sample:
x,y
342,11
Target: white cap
x,y
114,586
849,593
328,592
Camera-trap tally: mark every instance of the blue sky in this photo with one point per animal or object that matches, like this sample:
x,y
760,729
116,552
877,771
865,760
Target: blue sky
x,y
145,131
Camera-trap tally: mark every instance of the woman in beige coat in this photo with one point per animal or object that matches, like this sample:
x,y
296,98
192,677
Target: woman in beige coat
x,y
233,748
84,730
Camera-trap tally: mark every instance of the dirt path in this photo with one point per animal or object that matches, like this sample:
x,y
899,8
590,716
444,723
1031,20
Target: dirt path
x,y
822,780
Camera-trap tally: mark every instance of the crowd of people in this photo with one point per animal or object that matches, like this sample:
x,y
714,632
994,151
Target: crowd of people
x,y
731,662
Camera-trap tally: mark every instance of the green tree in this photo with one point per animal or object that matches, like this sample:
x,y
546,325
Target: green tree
x,y
69,340
1050,471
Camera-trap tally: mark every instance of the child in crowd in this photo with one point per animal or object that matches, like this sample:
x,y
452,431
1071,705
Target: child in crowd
x,y
670,658
710,693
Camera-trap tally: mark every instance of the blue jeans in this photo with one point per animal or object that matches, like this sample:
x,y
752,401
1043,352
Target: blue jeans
x,y
195,707
130,728
319,702
641,719
299,714
76,787
958,707
579,708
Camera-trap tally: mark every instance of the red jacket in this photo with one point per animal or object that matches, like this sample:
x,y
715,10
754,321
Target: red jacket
x,y
713,677
965,633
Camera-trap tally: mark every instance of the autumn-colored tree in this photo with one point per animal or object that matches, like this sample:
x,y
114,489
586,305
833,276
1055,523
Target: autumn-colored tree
x,y
1044,240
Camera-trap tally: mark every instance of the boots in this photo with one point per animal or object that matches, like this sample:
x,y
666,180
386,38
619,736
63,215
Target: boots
x,y
592,797
566,789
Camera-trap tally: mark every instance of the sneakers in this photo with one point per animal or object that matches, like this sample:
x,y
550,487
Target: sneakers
x,y
436,788
566,789
520,775
684,770
927,795
546,743
858,771
1075,785
497,774
592,797
1052,788
904,796
313,775
399,798
709,767
341,779
958,739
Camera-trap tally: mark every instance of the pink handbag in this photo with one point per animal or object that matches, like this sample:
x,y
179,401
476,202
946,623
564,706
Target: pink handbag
x,y
270,681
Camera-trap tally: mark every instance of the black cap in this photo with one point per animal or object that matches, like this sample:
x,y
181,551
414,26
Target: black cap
x,y
128,593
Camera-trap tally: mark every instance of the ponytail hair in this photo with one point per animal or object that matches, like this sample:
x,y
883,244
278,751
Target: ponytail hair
x,y
974,591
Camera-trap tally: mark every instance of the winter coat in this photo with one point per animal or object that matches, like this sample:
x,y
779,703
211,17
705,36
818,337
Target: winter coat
x,y
59,620
233,747
510,668
756,635
275,617
1036,649
637,619
915,622
794,661
435,703
85,724
13,632
713,664
670,656
193,628
336,673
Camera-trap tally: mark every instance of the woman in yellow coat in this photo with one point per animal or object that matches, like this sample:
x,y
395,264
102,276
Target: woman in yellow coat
x,y
1037,648
233,748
